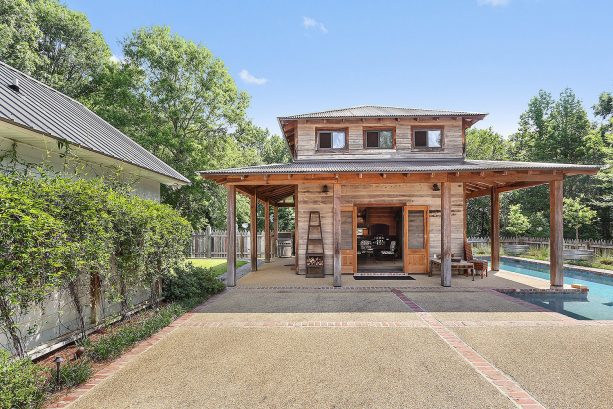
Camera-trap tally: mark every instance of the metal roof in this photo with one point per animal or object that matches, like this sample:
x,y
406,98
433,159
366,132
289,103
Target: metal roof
x,y
396,166
375,111
45,110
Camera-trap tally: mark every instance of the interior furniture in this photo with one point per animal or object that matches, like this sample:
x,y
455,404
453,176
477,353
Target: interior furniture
x,y
391,253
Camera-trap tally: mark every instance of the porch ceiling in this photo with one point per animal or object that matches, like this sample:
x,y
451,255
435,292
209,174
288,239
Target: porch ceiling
x,y
274,194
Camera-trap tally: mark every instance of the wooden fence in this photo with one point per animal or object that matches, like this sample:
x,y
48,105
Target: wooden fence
x,y
601,248
214,244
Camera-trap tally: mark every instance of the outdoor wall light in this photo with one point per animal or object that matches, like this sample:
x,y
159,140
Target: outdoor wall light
x,y
436,187
325,189
58,361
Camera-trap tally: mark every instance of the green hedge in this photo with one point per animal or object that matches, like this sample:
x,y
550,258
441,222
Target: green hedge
x,y
57,230
189,282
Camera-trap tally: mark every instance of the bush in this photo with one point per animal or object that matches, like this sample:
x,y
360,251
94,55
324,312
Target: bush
x,y
191,283
112,345
72,374
22,383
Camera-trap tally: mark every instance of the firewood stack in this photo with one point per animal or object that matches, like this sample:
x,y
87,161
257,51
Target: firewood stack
x,y
315,261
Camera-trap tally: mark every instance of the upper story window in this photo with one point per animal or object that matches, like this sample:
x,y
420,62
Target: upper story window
x,y
428,138
331,139
379,138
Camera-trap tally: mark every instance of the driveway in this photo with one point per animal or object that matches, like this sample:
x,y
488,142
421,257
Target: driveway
x,y
297,348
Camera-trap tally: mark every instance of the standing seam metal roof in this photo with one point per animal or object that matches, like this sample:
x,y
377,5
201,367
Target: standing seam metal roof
x,y
376,111
45,110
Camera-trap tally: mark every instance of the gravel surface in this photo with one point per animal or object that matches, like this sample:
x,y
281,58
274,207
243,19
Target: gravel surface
x,y
296,368
568,367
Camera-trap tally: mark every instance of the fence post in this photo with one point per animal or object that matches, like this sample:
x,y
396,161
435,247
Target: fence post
x,y
208,241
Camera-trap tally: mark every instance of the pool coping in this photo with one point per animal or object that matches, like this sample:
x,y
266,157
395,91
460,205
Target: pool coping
x,y
598,271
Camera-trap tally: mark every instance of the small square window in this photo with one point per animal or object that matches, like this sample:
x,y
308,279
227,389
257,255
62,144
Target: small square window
x,y
428,138
331,139
379,139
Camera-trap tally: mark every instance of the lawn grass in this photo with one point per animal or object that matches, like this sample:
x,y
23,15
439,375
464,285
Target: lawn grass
x,y
217,265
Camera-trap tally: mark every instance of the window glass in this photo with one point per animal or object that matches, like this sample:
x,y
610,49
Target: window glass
x,y
416,229
325,140
338,139
385,140
434,139
372,139
428,138
421,139
346,230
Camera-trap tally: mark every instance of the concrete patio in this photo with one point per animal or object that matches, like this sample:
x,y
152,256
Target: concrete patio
x,y
364,347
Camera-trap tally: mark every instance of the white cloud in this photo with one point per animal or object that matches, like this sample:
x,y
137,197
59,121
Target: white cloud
x,y
115,59
310,23
493,3
250,79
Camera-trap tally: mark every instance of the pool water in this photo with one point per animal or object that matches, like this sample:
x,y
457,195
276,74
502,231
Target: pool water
x,y
599,303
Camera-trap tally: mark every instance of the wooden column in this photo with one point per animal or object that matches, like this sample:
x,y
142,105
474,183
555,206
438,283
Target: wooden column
x,y
296,231
464,213
267,232
231,232
275,230
446,234
253,225
495,228
336,233
556,234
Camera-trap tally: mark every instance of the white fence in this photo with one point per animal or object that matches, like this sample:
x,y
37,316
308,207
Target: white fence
x,y
601,248
214,244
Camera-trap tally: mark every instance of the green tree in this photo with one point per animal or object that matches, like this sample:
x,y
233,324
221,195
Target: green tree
x,y
577,214
517,223
485,144
52,43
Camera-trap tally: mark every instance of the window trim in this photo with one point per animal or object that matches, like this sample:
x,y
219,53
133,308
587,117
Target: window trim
x,y
427,128
319,130
366,129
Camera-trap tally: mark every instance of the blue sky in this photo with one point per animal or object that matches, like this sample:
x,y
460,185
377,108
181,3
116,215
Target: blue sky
x,y
476,55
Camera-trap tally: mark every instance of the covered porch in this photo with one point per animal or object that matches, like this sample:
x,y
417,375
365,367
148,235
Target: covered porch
x,y
434,188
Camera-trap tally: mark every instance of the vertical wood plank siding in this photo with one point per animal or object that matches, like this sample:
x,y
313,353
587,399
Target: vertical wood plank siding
x,y
419,194
306,139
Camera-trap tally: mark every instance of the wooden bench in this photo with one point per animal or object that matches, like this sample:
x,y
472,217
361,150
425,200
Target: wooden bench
x,y
462,265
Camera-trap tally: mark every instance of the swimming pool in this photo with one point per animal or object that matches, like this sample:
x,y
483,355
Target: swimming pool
x,y
599,304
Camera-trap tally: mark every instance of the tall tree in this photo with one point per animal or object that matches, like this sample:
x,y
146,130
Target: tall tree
x,y
52,43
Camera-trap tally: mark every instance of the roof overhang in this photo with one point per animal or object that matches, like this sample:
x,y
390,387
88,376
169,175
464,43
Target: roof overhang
x,y
48,145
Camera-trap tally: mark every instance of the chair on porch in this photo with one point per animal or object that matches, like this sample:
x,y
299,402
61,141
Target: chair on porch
x,y
391,254
481,266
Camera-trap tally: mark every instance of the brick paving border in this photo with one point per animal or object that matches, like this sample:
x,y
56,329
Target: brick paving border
x,y
501,381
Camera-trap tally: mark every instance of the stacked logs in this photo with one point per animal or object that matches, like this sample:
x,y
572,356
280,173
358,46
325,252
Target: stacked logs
x,y
314,261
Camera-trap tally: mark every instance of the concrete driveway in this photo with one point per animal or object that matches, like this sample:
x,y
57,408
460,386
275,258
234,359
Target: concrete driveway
x,y
298,348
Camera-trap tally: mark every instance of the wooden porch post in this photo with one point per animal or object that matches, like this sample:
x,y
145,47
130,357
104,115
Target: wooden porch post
x,y
254,230
446,234
336,233
275,230
495,228
296,231
267,232
556,234
231,232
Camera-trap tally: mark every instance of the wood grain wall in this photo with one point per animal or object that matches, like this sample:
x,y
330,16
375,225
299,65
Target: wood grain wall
x,y
306,139
418,194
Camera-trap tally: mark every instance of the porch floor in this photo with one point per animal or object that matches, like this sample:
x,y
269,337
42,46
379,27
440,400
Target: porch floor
x,y
279,273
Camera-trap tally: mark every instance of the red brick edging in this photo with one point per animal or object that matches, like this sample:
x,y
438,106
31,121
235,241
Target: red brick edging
x,y
507,386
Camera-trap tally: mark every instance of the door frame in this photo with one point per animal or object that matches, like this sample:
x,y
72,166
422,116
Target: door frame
x,y
405,235
354,232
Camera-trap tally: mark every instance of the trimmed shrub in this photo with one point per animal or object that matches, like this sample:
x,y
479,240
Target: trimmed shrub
x,y
22,383
189,282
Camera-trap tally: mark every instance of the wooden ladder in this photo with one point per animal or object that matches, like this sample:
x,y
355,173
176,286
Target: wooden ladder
x,y
314,257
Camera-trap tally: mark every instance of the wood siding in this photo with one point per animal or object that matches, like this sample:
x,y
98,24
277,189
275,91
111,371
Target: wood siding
x,y
311,198
307,139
